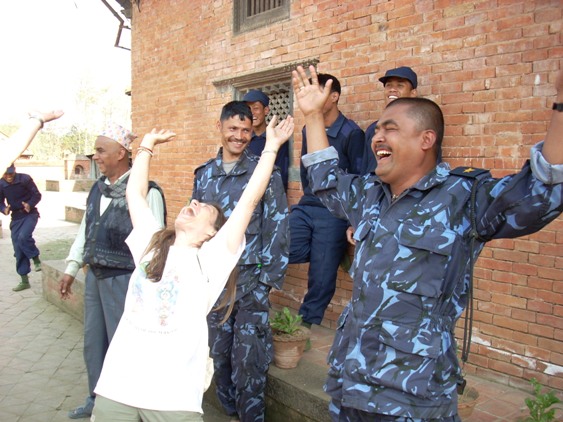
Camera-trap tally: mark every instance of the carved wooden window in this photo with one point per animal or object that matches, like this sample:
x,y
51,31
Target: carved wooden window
x,y
251,14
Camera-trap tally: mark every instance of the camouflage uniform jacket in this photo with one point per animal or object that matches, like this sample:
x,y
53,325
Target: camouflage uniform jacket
x,y
394,351
267,234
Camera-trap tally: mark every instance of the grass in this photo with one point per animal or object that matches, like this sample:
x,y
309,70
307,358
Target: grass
x,y
56,249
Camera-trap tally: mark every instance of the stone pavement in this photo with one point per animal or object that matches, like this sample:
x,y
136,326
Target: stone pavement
x,y
42,372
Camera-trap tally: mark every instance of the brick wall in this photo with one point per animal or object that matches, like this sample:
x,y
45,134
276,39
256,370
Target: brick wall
x,y
489,64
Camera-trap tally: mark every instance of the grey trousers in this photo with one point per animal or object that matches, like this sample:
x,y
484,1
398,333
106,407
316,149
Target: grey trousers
x,y
104,300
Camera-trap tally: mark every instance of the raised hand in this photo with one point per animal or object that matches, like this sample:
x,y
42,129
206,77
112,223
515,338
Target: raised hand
x,y
310,96
276,136
155,137
47,116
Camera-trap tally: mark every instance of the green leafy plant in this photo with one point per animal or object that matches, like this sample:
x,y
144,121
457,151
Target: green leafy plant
x,y
540,404
284,321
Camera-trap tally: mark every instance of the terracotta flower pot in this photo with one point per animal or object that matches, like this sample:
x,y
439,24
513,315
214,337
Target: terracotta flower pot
x,y
466,402
288,348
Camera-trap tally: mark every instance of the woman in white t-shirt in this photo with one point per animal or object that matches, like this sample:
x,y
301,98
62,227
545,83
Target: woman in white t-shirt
x,y
156,366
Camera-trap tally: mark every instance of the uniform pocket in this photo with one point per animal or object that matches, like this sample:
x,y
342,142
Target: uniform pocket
x,y
253,344
410,359
420,263
252,254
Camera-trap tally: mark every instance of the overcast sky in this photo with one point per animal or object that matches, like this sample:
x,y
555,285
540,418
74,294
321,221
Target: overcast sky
x,y
48,46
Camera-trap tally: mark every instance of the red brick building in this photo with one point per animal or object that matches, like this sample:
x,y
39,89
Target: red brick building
x,y
490,65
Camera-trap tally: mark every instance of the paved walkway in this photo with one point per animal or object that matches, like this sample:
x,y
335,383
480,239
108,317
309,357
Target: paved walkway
x,y
42,373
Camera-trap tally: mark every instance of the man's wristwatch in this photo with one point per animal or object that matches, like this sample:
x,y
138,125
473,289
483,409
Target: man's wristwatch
x,y
557,106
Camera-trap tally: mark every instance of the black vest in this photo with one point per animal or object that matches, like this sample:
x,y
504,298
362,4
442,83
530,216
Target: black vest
x,y
105,250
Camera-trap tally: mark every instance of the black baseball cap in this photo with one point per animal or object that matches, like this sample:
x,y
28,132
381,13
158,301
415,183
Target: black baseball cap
x,y
401,72
256,95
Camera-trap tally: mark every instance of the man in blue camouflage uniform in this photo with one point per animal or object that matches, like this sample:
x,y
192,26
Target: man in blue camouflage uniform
x,y
259,104
318,237
394,353
241,348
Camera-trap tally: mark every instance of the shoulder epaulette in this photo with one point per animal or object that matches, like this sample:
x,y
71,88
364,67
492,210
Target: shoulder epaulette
x,y
470,172
204,164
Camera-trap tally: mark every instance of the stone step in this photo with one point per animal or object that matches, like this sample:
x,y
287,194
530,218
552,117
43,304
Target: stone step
x,y
74,213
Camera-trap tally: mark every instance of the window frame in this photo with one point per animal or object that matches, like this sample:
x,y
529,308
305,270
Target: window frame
x,y
244,23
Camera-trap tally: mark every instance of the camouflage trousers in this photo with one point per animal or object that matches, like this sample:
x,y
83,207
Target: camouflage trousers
x,y
242,351
340,413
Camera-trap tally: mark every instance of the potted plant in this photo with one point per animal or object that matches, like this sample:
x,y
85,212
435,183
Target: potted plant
x,y
540,406
466,402
467,396
289,338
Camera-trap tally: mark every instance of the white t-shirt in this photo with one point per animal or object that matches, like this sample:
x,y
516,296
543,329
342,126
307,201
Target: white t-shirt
x,y
157,358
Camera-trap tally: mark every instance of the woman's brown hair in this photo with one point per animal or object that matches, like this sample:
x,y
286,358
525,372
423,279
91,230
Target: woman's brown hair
x,y
229,296
160,243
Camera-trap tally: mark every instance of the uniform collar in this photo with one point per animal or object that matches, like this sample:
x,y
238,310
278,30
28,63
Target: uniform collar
x,y
435,177
242,166
334,129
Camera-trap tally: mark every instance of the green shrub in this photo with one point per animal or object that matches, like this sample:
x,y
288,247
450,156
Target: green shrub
x,y
284,321
540,404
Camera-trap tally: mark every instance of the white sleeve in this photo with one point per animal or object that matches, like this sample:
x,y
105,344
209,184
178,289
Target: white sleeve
x,y
140,236
156,204
75,258
217,263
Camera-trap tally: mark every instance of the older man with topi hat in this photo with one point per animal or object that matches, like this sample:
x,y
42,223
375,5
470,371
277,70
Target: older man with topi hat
x,y
100,244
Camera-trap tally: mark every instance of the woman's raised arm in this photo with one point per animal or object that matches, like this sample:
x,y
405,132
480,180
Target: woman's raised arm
x,y
138,184
240,217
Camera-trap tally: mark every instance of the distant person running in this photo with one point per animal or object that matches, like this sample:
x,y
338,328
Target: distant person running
x,y
20,193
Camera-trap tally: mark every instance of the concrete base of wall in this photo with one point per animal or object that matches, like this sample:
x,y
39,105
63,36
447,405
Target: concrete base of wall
x,y
51,273
292,395
74,213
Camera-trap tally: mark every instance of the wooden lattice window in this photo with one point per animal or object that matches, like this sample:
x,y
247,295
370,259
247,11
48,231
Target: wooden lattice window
x,y
274,82
251,14
280,98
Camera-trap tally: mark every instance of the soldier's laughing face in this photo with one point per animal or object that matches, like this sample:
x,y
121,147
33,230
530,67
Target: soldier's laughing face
x,y
235,136
398,149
